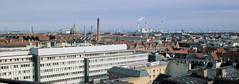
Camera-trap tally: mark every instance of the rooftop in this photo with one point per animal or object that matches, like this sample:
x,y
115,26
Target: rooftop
x,y
129,72
66,50
13,53
145,65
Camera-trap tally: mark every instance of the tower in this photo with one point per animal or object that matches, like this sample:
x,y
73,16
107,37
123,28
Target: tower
x,y
74,30
91,29
84,31
98,30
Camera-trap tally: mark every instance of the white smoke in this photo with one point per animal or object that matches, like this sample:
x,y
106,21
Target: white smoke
x,y
141,18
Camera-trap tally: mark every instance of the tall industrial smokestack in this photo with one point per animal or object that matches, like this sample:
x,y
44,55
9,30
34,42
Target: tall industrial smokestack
x,y
98,30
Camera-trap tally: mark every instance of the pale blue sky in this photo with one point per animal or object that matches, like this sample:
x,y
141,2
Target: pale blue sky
x,y
51,15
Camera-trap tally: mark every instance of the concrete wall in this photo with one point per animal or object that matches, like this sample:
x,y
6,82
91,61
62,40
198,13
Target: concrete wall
x,y
177,68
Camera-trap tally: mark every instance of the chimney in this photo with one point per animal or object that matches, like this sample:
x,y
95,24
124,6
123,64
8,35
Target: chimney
x,y
205,72
189,66
98,30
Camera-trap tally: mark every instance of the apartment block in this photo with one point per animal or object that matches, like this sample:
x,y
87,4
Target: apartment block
x,y
67,65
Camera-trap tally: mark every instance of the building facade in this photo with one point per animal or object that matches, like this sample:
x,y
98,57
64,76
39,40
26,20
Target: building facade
x,y
69,65
16,65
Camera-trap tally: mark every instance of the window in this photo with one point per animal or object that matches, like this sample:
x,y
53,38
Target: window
x,y
25,77
4,73
4,67
16,78
15,66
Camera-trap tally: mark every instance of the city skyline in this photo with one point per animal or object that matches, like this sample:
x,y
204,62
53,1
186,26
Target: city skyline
x,y
53,15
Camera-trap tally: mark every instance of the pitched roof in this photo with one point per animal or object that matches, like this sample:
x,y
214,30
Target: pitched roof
x,y
180,51
199,55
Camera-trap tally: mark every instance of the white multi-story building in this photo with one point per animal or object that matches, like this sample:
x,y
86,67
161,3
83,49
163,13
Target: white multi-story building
x,y
100,62
68,65
16,65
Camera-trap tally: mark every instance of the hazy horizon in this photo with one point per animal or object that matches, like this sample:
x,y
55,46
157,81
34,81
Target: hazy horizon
x,y
52,15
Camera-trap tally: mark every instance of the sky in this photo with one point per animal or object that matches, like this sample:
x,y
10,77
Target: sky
x,y
121,15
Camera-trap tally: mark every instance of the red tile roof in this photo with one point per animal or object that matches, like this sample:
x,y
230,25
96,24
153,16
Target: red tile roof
x,y
199,55
180,51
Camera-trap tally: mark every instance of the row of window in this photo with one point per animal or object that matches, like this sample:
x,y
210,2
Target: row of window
x,y
108,53
115,63
97,71
62,74
62,63
15,66
75,78
15,72
21,78
98,76
56,57
60,57
159,70
62,69
117,58
15,60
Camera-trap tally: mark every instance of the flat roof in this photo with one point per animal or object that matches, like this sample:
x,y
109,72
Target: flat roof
x,y
129,72
85,49
13,53
146,65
